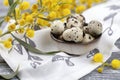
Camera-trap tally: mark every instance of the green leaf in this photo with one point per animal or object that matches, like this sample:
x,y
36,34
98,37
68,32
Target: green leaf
x,y
12,8
32,49
1,22
10,2
52,52
11,75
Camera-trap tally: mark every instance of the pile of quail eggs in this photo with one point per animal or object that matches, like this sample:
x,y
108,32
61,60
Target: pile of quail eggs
x,y
75,29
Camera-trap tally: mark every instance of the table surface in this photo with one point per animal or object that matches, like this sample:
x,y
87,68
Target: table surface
x,y
108,73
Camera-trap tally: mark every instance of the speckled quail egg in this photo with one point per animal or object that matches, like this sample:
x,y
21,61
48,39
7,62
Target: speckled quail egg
x,y
57,27
72,22
76,34
85,29
66,35
94,28
87,38
78,17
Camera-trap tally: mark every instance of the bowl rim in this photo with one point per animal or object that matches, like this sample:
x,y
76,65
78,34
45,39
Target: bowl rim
x,y
71,42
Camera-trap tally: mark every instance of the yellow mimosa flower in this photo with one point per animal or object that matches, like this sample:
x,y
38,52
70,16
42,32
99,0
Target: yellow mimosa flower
x,y
7,44
6,3
80,8
22,30
22,22
10,39
11,27
29,19
97,1
89,3
115,64
42,22
24,5
7,18
34,7
66,6
66,12
52,15
82,1
30,33
98,57
100,69
24,15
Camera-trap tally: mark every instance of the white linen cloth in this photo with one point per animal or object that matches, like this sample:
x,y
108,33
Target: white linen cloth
x,y
62,66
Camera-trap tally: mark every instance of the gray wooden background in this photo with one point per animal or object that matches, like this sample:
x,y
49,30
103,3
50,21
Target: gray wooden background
x,y
108,74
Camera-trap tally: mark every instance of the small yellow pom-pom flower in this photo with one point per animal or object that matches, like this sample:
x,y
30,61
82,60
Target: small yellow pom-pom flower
x,y
22,22
80,8
24,15
7,18
29,19
34,7
100,69
11,27
24,5
6,3
89,3
98,57
30,33
7,44
42,22
52,15
10,39
66,12
66,6
82,1
21,30
56,8
115,64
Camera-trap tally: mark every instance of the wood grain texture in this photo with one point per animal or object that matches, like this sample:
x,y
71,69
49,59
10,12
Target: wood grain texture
x,y
108,74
